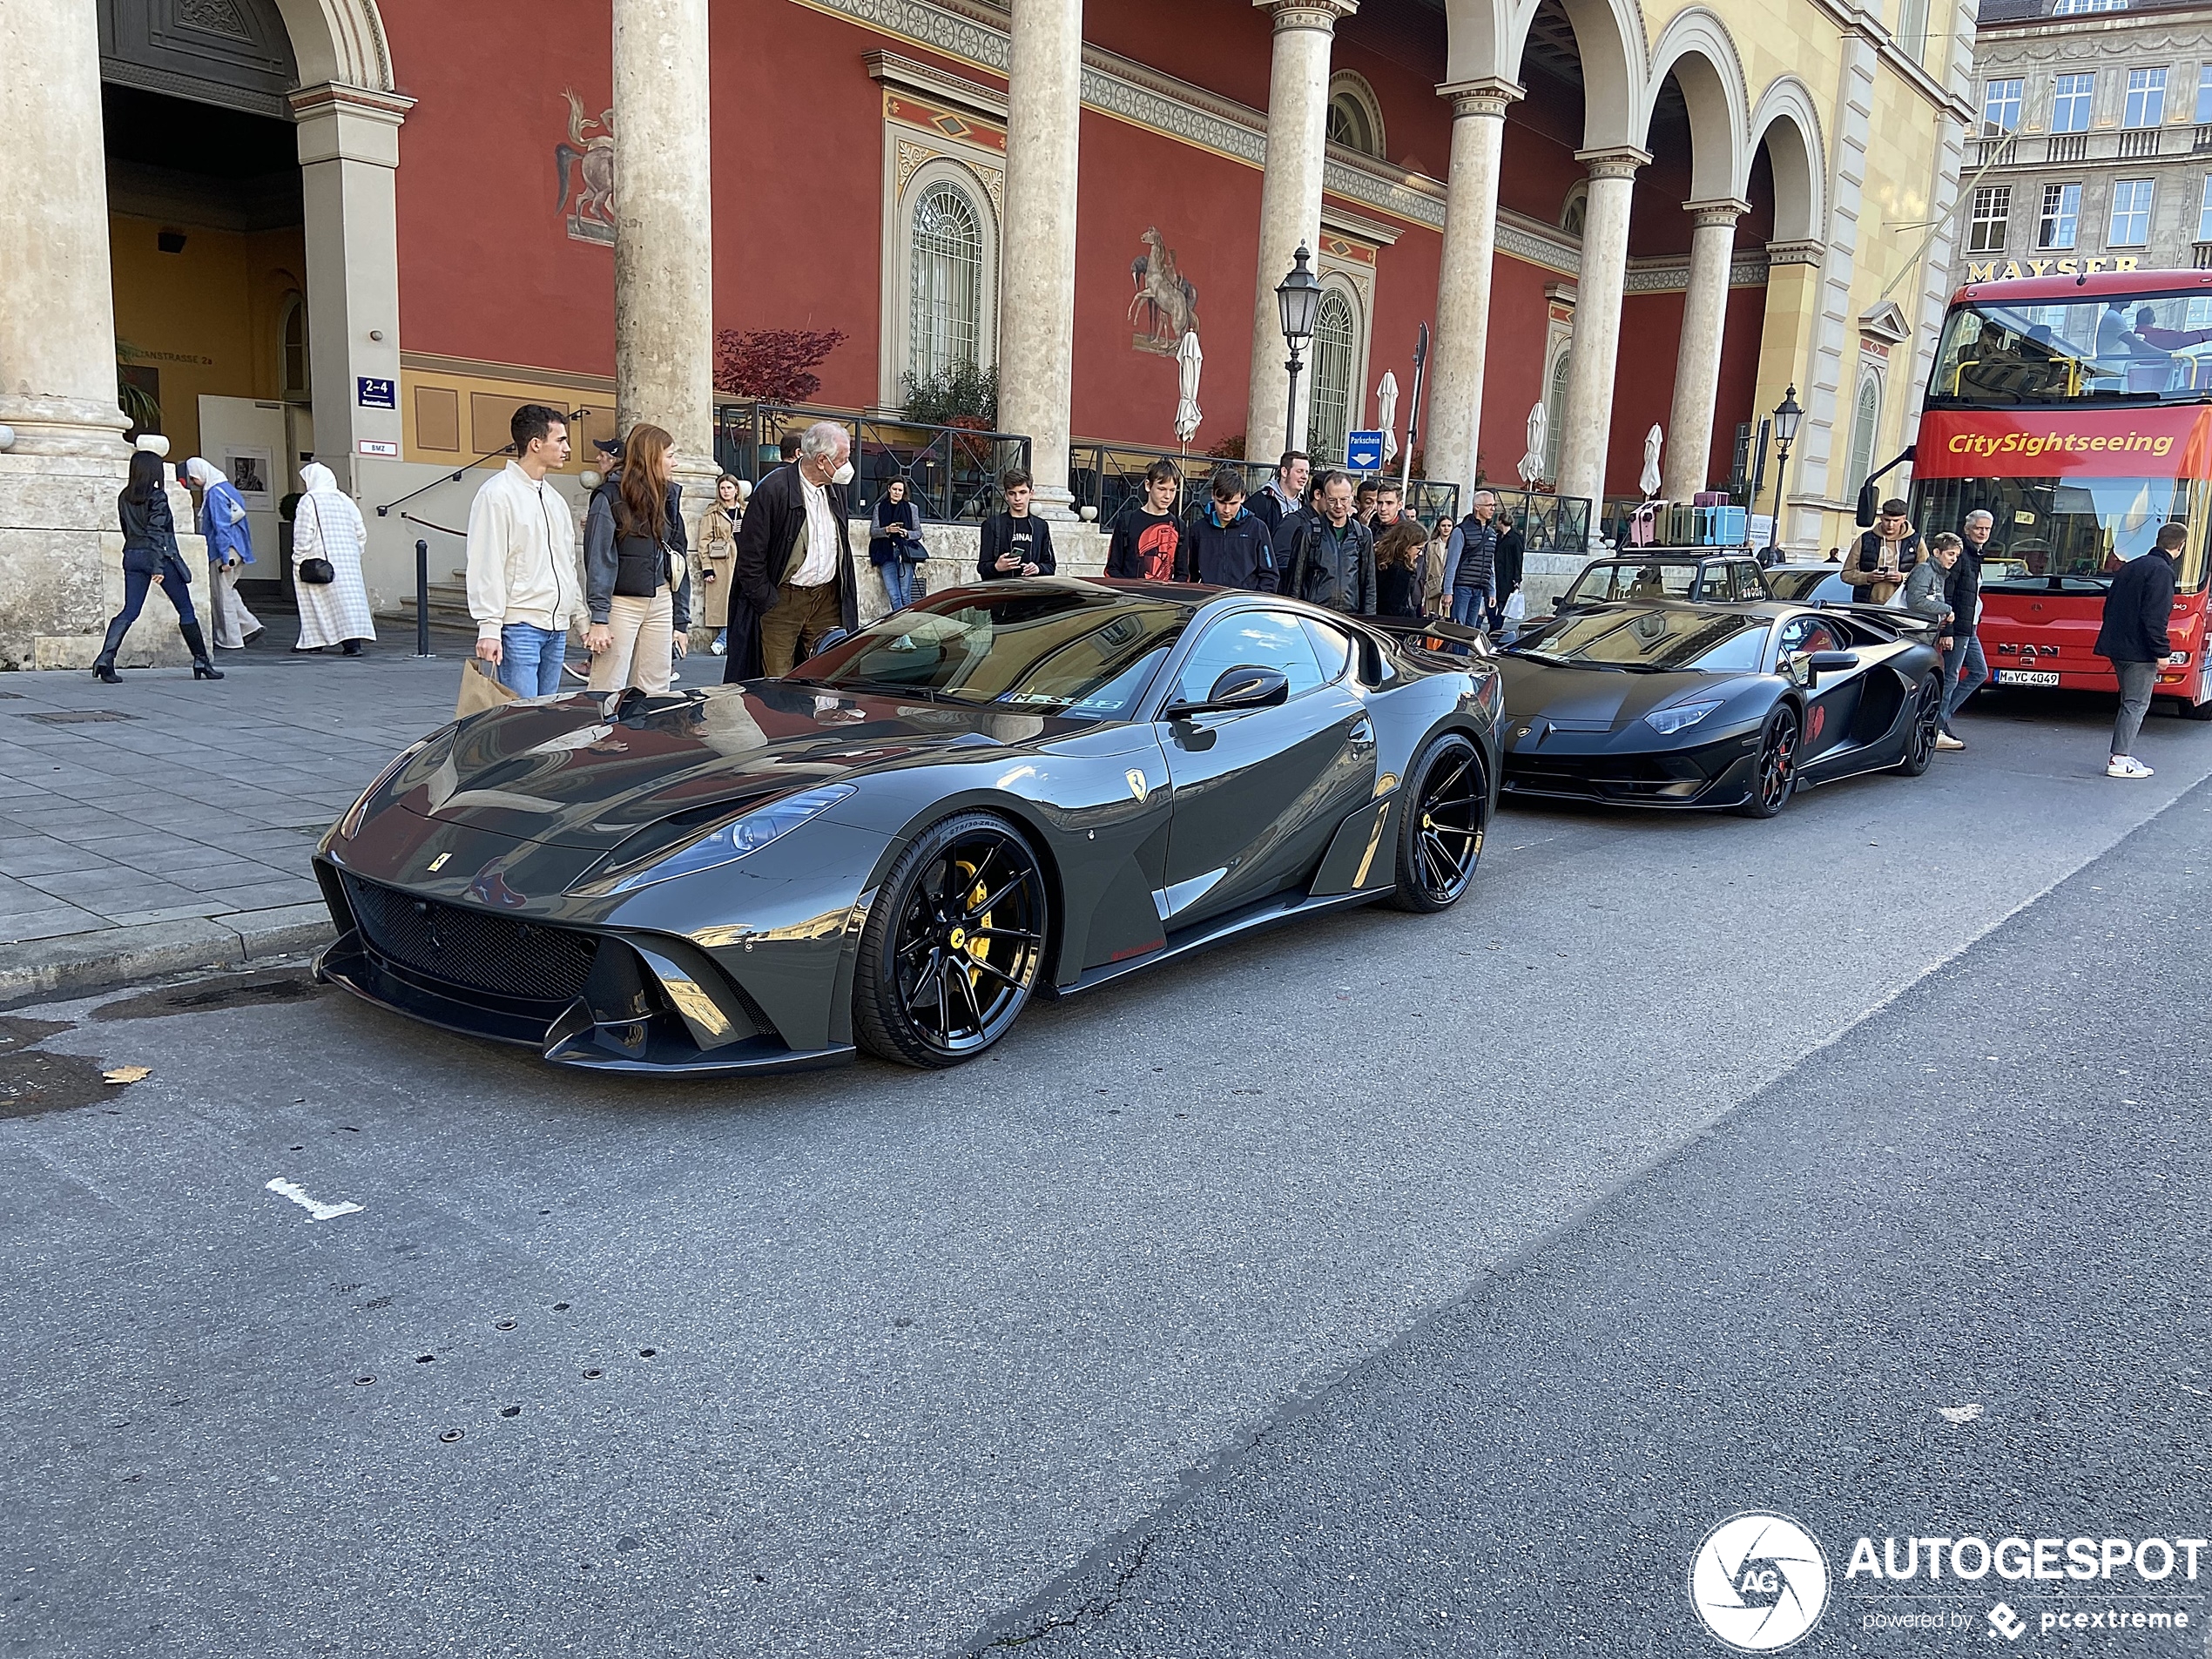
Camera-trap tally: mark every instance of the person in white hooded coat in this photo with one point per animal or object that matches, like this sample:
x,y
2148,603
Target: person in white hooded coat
x,y
229,550
327,525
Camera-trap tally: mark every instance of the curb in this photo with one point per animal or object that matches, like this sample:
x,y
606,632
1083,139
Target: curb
x,y
110,956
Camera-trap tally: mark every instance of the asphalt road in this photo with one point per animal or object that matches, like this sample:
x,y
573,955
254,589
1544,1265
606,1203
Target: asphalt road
x,y
875,1362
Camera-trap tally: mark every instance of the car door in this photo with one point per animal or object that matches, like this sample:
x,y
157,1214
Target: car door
x,y
1831,704
1257,794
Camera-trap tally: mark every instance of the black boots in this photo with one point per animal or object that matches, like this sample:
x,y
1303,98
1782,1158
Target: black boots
x,y
196,643
104,669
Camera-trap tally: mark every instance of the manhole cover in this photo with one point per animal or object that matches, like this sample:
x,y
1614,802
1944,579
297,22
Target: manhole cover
x,y
80,716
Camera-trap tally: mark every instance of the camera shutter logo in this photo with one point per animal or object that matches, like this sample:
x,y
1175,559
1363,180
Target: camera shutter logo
x,y
1759,1581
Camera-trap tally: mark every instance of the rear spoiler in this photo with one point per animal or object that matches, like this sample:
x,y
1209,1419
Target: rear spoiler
x,y
1433,633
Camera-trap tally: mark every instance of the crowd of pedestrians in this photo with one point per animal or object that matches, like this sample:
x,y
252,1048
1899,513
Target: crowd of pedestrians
x,y
773,574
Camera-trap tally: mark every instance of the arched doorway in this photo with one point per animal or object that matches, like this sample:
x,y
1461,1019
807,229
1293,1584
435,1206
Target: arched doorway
x,y
207,231
250,150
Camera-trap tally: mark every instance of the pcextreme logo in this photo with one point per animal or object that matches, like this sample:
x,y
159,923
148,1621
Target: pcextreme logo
x,y
1759,1581
2012,270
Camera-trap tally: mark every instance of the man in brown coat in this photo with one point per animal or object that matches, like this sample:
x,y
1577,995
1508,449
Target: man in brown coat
x,y
1883,557
794,572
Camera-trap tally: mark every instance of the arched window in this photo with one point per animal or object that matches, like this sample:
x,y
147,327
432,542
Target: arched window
x,y
294,380
1555,414
1335,343
1865,416
1355,114
1575,210
948,281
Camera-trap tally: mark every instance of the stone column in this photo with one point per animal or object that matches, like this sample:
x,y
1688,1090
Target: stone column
x,y
1697,360
1289,208
1589,421
1037,247
1454,423
663,242
59,476
349,148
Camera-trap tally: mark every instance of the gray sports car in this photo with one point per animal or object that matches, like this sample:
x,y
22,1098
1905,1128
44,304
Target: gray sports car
x,y
1028,786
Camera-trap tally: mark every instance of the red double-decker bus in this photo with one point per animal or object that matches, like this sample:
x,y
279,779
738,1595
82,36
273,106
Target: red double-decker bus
x,y
2078,411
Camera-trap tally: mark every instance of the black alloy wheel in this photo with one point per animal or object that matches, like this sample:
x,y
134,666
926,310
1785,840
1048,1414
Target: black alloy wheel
x,y
1439,828
952,944
1775,775
1927,720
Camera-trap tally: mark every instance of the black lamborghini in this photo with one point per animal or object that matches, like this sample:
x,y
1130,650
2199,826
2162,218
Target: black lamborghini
x,y
1029,786
1717,705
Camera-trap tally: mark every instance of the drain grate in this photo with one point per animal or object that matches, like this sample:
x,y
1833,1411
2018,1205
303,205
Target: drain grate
x,y
80,716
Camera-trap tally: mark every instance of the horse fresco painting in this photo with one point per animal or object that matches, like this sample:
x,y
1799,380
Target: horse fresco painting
x,y
1166,306
585,168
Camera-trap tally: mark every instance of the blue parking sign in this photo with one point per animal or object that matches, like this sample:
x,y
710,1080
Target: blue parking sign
x,y
1363,451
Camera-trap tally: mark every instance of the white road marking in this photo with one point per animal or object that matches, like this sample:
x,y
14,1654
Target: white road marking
x,y
1965,1414
316,1212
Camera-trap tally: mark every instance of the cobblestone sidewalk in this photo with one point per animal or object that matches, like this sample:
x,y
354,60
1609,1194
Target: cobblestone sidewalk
x,y
166,823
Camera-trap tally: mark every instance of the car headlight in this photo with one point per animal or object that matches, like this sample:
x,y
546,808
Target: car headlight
x,y
1676,716
725,842
350,826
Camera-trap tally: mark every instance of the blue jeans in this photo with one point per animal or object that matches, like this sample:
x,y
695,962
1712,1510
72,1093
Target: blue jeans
x,y
140,566
898,583
1471,607
530,658
1965,653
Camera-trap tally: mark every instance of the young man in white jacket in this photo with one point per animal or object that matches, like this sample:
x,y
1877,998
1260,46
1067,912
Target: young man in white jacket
x,y
522,586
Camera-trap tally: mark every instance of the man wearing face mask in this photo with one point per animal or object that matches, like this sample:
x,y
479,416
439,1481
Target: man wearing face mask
x,y
793,562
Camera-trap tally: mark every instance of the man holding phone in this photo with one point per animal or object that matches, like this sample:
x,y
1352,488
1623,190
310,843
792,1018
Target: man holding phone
x,y
1015,542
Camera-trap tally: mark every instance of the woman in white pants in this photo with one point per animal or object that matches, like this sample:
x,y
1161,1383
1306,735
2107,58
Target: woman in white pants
x,y
637,569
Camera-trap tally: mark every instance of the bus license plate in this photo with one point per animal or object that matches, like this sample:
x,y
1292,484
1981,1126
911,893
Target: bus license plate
x,y
2026,677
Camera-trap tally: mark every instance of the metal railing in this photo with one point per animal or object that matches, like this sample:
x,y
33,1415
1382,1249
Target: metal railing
x,y
952,473
1548,524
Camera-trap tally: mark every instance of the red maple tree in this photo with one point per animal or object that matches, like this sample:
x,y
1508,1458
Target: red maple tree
x,y
775,365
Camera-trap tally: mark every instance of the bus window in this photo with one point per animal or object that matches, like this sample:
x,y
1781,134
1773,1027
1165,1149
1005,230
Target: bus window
x,y
2070,533
2115,348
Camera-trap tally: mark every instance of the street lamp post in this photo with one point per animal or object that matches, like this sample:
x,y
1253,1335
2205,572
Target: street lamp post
x,y
1298,299
1786,432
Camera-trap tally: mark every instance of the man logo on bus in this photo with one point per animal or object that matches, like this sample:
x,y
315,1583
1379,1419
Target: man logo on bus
x,y
1759,1582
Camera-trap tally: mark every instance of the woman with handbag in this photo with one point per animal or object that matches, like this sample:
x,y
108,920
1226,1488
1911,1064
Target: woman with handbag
x,y
151,559
326,539
895,545
229,550
712,570
635,585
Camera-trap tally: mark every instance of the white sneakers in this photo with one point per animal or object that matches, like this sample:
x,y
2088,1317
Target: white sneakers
x,y
1944,740
2126,766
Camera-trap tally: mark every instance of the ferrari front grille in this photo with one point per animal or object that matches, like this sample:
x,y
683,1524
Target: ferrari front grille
x,y
471,949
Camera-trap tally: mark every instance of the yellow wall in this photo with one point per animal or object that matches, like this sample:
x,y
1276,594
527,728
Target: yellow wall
x,y
207,318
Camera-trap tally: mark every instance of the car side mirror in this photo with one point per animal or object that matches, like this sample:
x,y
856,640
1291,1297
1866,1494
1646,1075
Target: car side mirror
x,y
1831,662
1237,690
1869,499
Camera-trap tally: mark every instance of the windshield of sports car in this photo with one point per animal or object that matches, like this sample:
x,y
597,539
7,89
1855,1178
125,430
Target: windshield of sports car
x,y
1084,655
1635,579
2068,534
1672,640
2127,348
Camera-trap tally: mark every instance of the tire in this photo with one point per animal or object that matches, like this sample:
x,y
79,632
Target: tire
x,y
1774,776
969,891
1440,825
1927,720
